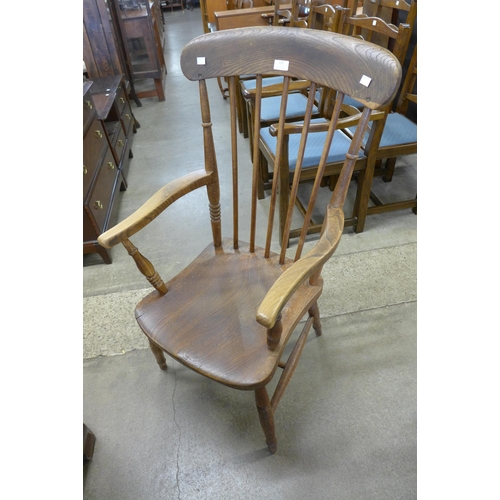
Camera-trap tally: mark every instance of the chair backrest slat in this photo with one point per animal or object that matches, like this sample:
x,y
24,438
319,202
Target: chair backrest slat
x,y
255,170
279,162
234,157
298,170
319,176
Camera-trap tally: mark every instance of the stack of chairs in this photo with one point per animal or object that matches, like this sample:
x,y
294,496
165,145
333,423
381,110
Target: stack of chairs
x,y
370,28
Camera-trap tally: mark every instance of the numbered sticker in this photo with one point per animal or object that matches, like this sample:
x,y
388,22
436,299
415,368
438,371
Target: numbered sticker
x,y
200,61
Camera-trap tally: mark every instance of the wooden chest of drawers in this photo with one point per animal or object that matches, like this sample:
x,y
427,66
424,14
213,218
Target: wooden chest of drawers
x,y
107,126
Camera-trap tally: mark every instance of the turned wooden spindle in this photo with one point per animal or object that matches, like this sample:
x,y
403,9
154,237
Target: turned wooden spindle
x,y
145,267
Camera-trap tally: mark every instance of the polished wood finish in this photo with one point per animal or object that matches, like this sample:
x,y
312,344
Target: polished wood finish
x,y
230,313
100,51
140,33
390,153
107,136
397,38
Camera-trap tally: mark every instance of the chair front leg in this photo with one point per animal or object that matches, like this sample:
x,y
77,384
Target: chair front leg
x,y
266,417
159,355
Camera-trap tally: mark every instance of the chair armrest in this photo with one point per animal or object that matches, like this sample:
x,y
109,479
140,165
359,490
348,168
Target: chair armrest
x,y
154,207
285,286
342,123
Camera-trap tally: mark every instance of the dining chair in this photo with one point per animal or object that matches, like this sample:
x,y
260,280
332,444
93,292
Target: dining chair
x,y
229,315
273,152
299,90
388,139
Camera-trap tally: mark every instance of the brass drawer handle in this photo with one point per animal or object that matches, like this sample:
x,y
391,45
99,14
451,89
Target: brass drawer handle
x,y
98,205
88,104
120,142
85,170
127,116
122,100
98,134
111,165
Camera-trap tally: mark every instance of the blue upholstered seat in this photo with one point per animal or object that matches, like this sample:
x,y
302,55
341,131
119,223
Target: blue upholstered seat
x,y
272,80
271,105
295,108
314,147
398,130
352,102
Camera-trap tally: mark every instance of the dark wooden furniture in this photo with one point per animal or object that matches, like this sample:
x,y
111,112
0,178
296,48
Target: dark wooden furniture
x,y
140,32
170,4
397,39
230,314
103,52
391,138
108,125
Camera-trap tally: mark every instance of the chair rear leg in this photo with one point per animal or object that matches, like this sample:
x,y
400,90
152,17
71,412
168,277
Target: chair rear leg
x,y
266,417
159,355
390,164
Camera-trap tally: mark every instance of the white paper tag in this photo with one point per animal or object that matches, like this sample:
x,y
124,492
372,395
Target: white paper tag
x,y
200,61
374,23
281,65
365,80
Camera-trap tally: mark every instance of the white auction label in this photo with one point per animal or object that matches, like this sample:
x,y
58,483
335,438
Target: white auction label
x,y
281,65
365,80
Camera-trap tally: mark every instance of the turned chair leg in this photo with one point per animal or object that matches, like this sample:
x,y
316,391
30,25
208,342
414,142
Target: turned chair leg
x,y
159,355
266,418
314,313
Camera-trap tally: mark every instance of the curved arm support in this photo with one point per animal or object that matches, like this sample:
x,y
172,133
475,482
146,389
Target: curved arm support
x,y
342,123
285,286
154,207
277,88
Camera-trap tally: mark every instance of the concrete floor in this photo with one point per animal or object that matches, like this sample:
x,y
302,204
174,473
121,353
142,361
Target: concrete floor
x,y
346,426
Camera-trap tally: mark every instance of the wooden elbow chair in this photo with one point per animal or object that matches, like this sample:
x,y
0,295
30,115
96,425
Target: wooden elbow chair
x,y
230,313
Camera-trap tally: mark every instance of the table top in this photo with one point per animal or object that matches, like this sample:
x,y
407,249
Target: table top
x,y
103,92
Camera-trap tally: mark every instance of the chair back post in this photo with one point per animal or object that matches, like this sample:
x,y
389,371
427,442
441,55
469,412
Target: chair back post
x,y
213,189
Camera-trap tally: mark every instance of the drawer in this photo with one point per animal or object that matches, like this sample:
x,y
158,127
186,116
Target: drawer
x,y
99,202
95,145
89,111
121,100
126,118
120,145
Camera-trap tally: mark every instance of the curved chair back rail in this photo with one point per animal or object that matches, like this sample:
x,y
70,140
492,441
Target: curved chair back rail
x,y
309,55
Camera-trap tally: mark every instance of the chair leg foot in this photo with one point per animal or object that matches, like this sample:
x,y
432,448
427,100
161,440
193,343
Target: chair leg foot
x,y
159,355
266,418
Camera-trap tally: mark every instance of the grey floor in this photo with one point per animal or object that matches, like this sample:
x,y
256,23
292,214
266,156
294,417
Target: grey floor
x,y
346,426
